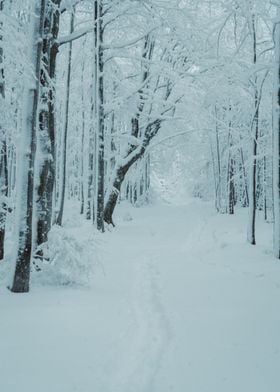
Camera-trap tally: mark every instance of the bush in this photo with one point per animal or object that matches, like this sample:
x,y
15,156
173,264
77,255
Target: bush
x,y
69,258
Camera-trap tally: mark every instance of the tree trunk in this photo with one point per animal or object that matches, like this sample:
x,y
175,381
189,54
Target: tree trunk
x,y
28,149
230,174
3,149
150,131
134,154
219,174
82,160
276,140
64,143
244,176
117,183
264,189
251,234
46,134
4,193
91,169
99,107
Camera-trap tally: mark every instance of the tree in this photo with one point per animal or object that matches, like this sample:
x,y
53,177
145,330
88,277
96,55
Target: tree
x,y
66,125
99,110
144,127
3,146
276,138
255,134
28,149
45,156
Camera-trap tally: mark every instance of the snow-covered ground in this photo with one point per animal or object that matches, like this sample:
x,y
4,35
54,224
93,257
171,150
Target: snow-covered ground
x,y
179,302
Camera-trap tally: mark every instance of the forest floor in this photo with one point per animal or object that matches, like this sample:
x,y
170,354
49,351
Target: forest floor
x,y
179,302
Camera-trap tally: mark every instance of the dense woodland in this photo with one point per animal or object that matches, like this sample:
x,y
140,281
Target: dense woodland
x,y
95,93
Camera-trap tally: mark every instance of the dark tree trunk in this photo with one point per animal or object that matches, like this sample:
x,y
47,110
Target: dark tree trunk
x,y
255,131
90,190
264,188
46,136
231,193
4,194
253,200
3,150
276,140
117,183
133,156
99,106
150,131
64,143
25,190
230,173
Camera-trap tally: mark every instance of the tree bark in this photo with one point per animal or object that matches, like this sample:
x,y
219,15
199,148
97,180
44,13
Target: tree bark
x,y
276,140
231,187
133,156
90,166
4,186
3,149
28,149
99,105
64,142
46,134
82,160
116,186
251,234
219,174
149,132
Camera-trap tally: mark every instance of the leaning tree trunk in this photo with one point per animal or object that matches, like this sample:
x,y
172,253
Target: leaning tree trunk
x,y
135,153
27,159
119,177
133,156
46,133
276,140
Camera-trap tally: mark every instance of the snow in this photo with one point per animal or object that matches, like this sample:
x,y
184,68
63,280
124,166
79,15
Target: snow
x,y
180,302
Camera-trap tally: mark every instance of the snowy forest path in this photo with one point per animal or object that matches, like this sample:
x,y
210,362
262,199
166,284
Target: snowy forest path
x,y
210,299
181,303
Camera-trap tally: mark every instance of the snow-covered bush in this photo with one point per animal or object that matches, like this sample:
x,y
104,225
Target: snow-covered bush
x,y
69,258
